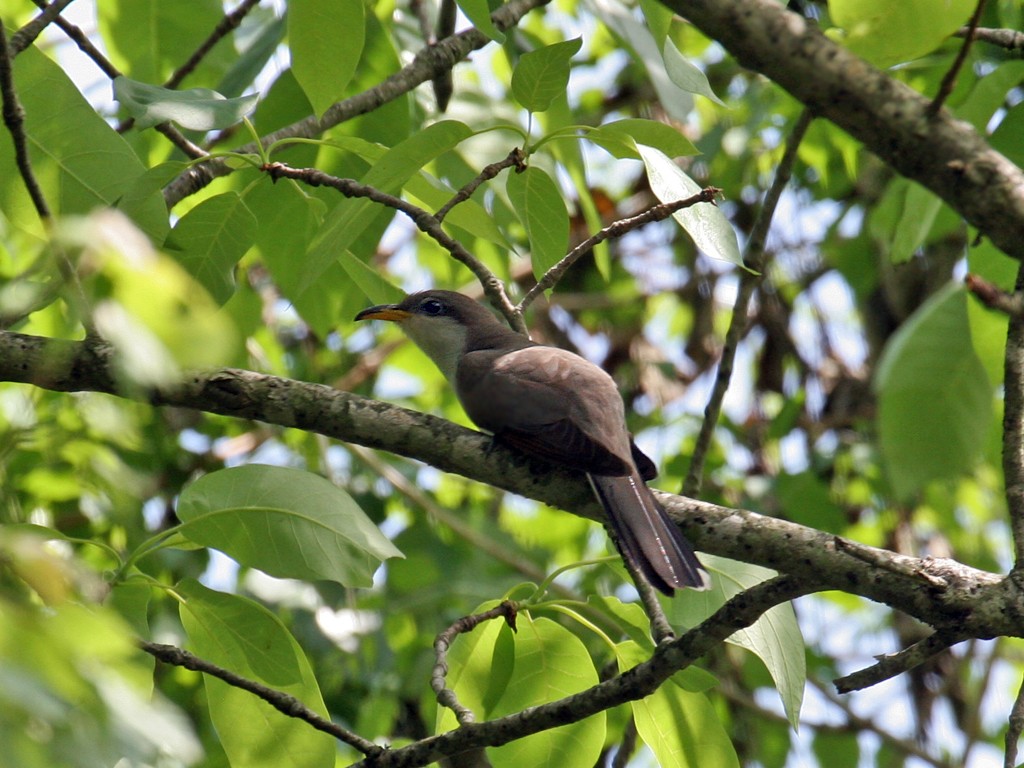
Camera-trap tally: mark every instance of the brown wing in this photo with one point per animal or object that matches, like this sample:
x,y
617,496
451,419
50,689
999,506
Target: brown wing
x,y
549,403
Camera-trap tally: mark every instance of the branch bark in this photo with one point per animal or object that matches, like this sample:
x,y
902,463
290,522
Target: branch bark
x,y
943,154
942,593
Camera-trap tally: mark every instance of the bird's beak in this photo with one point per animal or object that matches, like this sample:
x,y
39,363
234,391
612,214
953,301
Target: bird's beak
x,y
384,312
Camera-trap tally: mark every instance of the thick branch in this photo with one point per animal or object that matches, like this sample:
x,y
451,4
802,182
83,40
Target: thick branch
x,y
942,593
941,153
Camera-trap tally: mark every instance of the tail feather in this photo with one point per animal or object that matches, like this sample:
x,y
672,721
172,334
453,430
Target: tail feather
x,y
646,535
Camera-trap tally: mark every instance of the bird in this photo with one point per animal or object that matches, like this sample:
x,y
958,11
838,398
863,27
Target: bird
x,y
554,405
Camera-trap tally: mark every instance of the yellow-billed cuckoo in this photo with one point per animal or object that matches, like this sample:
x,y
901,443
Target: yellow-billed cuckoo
x,y
555,405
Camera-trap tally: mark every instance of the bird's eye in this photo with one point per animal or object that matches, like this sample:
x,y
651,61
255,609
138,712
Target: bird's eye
x,y
432,307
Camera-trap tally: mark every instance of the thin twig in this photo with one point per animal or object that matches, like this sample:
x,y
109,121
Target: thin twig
x,y
443,642
423,220
894,664
84,44
754,259
25,36
1013,427
229,22
14,120
994,297
949,80
1010,39
282,702
1014,728
658,212
515,159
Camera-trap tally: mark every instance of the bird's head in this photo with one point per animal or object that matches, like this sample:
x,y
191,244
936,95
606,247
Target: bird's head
x,y
441,323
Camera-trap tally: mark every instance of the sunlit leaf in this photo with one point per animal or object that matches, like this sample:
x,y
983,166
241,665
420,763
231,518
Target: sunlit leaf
x,y
705,223
686,74
543,74
540,206
934,397
287,522
244,637
326,41
887,33
200,109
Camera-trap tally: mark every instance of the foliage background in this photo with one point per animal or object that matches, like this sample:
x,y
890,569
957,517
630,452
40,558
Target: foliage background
x,y
865,402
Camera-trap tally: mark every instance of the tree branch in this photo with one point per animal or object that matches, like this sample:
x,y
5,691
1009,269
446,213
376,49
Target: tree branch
x,y
894,664
739,612
943,154
939,592
282,702
14,121
428,63
1013,426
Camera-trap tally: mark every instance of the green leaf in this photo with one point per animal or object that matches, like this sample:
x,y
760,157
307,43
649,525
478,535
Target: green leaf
x,y
496,672
542,75
326,39
199,109
681,727
887,33
687,75
286,522
920,207
705,223
620,138
648,53
244,637
80,162
211,238
147,41
934,397
774,638
538,201
479,12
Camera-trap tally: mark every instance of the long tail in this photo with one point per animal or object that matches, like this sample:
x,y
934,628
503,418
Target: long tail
x,y
646,535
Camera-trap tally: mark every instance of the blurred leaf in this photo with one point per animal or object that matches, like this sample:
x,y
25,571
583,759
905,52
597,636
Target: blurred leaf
x,y
705,223
286,522
326,40
540,206
74,674
244,637
687,75
919,210
479,13
199,109
543,74
935,400
888,33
